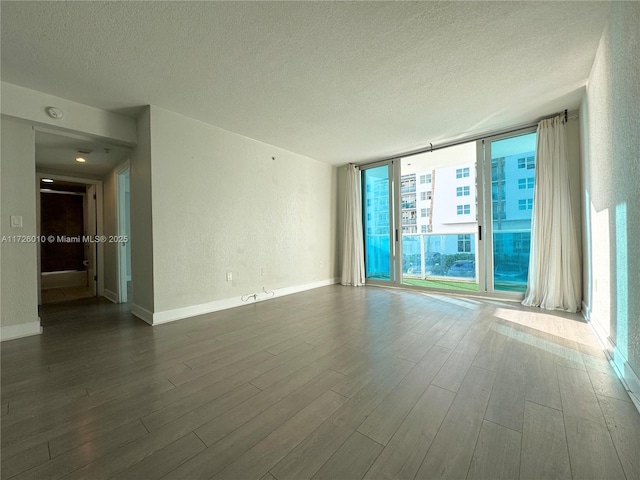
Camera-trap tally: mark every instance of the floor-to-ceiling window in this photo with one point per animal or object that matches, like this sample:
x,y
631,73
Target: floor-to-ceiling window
x,y
456,218
378,222
512,176
439,237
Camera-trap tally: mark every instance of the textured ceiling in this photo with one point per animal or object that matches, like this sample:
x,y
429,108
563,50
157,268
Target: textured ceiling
x,y
336,81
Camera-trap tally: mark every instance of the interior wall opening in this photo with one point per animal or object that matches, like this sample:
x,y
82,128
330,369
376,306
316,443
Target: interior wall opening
x,y
78,215
68,258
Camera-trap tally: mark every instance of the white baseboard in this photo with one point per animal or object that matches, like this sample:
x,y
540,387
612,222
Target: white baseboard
x,y
625,372
142,313
217,305
11,332
111,296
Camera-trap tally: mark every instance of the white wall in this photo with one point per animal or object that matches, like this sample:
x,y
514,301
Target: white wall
x,y
574,157
222,204
18,268
141,221
29,106
610,118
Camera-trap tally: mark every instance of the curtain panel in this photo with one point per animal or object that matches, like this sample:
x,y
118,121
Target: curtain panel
x,y
554,281
353,250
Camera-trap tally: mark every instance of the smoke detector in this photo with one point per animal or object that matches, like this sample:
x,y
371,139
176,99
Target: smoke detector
x,y
54,112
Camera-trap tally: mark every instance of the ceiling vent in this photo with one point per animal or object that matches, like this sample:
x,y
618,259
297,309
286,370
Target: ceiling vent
x,y
84,151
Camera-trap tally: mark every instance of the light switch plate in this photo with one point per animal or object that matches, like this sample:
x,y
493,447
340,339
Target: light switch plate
x,y
16,221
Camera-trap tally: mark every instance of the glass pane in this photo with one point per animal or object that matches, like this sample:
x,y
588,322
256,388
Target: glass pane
x,y
513,163
376,223
439,220
440,261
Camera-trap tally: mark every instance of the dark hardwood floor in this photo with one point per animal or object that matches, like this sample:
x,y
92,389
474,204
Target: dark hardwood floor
x,y
333,383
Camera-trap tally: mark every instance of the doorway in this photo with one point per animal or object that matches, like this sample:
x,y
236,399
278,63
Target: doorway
x,y
68,227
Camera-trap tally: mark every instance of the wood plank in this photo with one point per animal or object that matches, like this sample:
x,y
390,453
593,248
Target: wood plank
x,y
308,457
453,335
607,384
542,385
591,450
213,431
242,438
491,352
221,369
128,455
225,381
506,405
404,453
74,459
418,350
276,374
497,454
164,460
544,444
25,460
452,449
623,421
266,453
388,416
352,460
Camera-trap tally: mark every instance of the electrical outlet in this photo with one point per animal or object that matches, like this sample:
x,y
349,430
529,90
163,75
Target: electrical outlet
x,y
263,272
321,263
229,276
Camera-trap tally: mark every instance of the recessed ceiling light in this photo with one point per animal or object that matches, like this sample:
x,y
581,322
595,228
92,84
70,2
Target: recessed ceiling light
x,y
80,160
47,180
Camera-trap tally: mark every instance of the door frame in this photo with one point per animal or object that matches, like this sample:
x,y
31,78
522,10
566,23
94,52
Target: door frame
x,y
99,225
395,238
121,260
485,221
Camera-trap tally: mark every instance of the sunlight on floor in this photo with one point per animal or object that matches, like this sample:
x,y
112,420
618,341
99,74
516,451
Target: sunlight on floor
x,y
566,326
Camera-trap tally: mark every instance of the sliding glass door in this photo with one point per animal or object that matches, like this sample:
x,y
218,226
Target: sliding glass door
x,y
440,219
377,202
458,218
512,175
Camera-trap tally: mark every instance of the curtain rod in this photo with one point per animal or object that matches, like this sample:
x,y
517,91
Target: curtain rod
x,y
475,138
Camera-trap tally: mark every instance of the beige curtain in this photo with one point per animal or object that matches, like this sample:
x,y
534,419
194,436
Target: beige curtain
x,y
353,250
554,265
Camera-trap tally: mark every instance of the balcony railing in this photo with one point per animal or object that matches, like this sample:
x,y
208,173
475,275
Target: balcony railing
x,y
426,255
